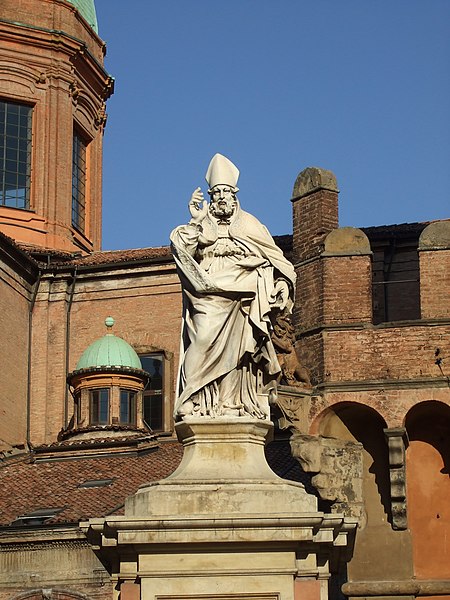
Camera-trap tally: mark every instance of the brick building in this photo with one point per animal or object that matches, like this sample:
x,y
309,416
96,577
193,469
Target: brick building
x,y
364,406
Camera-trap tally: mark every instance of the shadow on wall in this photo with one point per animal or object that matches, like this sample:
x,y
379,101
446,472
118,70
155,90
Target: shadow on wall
x,y
429,422
356,422
428,488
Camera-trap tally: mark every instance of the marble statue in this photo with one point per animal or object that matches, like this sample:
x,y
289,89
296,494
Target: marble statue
x,y
235,282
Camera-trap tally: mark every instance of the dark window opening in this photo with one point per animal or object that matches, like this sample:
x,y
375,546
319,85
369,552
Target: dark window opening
x,y
78,407
15,154
37,517
154,393
78,181
395,280
127,407
96,483
99,406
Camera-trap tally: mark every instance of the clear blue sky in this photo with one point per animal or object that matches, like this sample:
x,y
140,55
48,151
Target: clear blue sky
x,y
361,87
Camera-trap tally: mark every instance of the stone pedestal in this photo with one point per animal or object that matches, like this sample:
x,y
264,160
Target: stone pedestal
x,y
223,525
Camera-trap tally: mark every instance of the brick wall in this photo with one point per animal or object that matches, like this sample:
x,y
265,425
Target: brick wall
x,y
308,309
15,297
435,284
146,305
314,216
384,353
347,295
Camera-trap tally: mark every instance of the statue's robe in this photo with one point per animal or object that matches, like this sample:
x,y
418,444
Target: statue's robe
x,y
228,272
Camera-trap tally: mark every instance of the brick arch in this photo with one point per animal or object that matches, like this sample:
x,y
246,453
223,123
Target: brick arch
x,y
355,422
377,544
428,487
50,594
339,407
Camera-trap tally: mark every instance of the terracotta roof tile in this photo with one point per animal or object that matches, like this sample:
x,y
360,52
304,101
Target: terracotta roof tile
x,y
28,485
119,256
31,485
396,230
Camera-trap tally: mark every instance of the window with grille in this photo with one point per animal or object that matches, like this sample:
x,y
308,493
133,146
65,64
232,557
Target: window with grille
x,y
15,154
99,406
395,281
78,181
154,393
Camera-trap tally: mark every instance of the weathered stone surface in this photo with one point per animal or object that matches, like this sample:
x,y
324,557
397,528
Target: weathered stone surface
x,y
234,279
312,179
347,241
397,440
435,235
407,588
292,406
224,471
226,521
339,468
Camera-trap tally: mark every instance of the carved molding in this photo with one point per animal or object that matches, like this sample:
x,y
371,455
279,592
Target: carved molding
x,y
397,440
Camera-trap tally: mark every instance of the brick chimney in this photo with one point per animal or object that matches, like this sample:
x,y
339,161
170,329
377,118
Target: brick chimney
x,y
315,214
315,211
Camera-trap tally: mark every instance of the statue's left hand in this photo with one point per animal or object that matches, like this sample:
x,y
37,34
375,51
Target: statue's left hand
x,y
280,294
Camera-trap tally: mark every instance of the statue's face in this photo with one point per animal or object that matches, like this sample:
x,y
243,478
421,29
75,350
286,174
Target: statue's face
x,y
223,201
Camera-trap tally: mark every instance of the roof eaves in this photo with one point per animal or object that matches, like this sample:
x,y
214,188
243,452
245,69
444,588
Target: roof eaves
x,y
18,258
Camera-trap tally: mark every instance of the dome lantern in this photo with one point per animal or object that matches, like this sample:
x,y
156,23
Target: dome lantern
x,y
107,386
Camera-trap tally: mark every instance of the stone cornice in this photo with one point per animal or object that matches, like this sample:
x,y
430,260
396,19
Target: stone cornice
x,y
41,538
408,587
358,326
381,384
252,528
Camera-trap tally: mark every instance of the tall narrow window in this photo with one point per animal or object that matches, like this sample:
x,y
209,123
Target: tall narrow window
x,y
99,406
15,154
395,281
154,394
78,181
127,407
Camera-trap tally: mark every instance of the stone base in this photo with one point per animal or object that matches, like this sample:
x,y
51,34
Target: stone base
x,y
223,471
223,525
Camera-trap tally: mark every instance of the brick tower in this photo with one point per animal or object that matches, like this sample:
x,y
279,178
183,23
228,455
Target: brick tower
x,y
53,89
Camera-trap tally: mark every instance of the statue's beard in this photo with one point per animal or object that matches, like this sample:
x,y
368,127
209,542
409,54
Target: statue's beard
x,y
224,209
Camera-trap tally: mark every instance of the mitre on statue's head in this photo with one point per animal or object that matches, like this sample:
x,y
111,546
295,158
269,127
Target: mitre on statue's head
x,y
221,171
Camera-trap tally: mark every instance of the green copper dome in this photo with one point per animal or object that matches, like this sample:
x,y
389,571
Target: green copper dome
x,y
109,351
86,8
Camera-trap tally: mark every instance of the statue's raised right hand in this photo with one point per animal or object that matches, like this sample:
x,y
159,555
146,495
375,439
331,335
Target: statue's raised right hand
x,y
198,207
